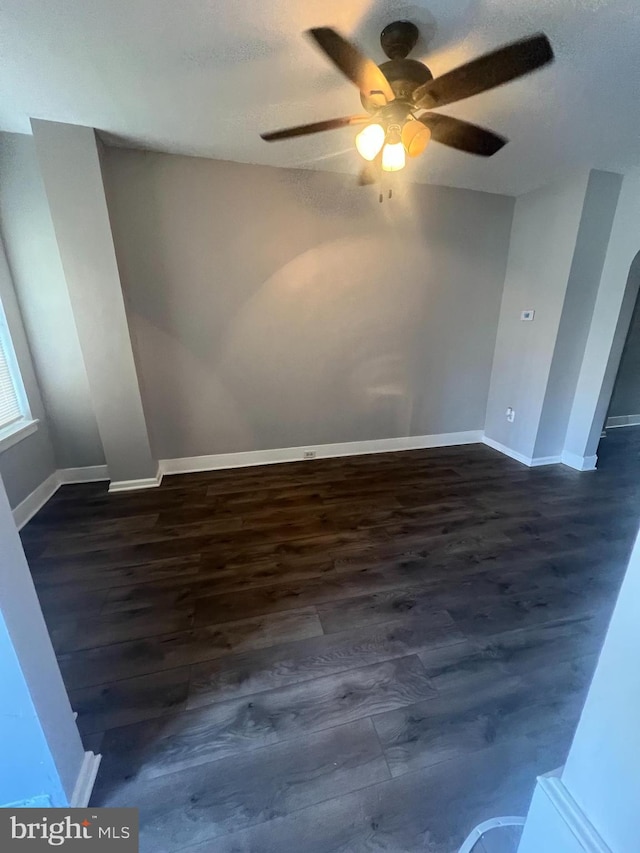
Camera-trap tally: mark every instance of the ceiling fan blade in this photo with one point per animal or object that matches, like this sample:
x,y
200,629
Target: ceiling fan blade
x,y
370,172
356,66
488,71
462,135
316,127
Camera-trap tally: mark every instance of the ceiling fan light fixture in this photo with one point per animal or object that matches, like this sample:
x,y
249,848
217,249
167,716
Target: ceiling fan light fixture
x,y
370,140
415,137
393,92
393,157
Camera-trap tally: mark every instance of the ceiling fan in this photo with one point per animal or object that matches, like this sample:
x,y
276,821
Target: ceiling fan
x,y
398,96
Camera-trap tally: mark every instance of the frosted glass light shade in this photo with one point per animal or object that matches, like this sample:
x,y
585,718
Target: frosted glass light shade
x,y
415,137
393,157
370,140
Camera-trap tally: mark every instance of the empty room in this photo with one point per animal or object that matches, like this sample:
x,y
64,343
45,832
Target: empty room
x,y
319,431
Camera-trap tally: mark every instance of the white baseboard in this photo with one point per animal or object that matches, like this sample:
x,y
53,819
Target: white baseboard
x,y
27,508
529,461
622,421
580,463
502,448
33,502
89,474
85,781
572,460
537,461
571,814
132,485
219,461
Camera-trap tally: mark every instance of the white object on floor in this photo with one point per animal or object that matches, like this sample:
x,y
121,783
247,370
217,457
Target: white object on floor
x,y
495,822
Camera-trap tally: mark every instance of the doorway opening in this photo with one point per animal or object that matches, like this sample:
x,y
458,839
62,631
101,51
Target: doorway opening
x,y
621,430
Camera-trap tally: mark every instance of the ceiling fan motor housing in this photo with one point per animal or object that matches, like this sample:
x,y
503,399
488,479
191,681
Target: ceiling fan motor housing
x,y
398,39
404,75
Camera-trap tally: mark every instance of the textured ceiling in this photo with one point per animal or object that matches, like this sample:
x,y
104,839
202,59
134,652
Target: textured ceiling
x,y
204,78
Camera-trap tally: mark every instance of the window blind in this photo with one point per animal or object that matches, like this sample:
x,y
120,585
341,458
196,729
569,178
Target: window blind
x,y
9,403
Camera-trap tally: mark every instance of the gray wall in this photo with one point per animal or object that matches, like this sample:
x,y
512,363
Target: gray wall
x,y
596,222
29,462
275,308
543,239
42,293
626,391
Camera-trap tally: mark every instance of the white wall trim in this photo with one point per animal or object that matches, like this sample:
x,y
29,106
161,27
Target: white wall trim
x,y
33,502
16,432
89,474
529,461
568,809
502,448
580,463
537,461
243,459
131,485
622,421
217,461
85,781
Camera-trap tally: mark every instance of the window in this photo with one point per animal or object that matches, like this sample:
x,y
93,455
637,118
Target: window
x,y
15,418
10,410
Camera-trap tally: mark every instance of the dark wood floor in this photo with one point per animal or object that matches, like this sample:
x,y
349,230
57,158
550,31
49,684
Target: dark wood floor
x,y
363,654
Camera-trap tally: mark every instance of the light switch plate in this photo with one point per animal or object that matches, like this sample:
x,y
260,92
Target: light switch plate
x,y
528,315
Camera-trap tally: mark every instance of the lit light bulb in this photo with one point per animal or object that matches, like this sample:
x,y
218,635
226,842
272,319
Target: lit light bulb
x,y
370,140
393,157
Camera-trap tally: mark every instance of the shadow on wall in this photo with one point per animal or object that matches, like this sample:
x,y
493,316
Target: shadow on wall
x,y
276,308
322,349
318,351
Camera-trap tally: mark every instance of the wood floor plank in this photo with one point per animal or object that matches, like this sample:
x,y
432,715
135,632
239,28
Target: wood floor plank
x,y
124,702
489,616
243,674
417,600
156,533
116,661
211,800
546,645
502,709
104,630
228,728
92,527
109,572
357,576
431,810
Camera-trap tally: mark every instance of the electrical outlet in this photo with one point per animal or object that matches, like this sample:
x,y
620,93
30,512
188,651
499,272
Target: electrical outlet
x,y
511,415
309,454
527,315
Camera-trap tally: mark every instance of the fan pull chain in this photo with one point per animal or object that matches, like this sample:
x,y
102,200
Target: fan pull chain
x,y
389,195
